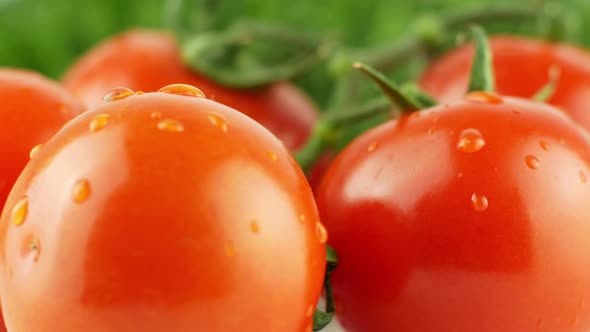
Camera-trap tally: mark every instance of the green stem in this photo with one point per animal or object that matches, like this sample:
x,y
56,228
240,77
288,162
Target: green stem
x,y
227,45
547,91
322,318
398,99
482,70
328,130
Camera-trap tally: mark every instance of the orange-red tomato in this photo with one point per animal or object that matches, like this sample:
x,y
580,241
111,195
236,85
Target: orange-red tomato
x,y
32,109
521,67
147,60
468,217
161,212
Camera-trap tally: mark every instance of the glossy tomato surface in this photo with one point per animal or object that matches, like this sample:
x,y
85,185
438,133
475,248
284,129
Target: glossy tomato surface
x,y
161,212
32,109
468,217
147,60
521,67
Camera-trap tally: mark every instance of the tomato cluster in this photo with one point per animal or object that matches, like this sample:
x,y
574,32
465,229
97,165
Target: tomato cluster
x,y
145,196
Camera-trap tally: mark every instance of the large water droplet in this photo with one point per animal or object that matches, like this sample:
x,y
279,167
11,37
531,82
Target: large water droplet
x,y
470,140
183,90
99,122
171,125
479,202
483,97
35,150
532,162
218,121
118,94
20,211
81,191
544,145
321,232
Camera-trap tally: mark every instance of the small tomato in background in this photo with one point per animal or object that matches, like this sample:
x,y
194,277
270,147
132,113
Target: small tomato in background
x,y
147,60
521,67
161,212
32,109
472,216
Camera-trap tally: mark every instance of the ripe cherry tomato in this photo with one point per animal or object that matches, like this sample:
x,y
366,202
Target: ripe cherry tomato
x,y
32,108
467,217
161,212
521,67
147,60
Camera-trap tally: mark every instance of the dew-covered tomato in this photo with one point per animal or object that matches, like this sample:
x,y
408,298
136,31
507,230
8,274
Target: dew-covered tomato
x,y
521,67
467,217
161,212
32,109
147,60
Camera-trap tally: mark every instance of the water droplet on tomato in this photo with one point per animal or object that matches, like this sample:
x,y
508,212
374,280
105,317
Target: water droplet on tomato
x,y
479,202
431,130
532,162
99,122
81,191
310,310
35,150
254,226
32,247
321,232
139,93
218,121
230,250
582,176
460,175
470,140
183,90
517,112
118,94
545,146
20,211
372,147
483,97
272,155
156,115
301,218
171,125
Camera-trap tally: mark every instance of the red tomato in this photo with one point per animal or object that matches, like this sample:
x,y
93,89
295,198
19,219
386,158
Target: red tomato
x,y
161,212
521,66
32,108
467,217
147,60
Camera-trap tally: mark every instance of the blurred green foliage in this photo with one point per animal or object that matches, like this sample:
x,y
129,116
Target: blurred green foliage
x,y
47,35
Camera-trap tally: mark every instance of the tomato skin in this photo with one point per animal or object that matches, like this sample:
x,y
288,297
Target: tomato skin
x,y
191,219
147,60
521,67
32,109
431,238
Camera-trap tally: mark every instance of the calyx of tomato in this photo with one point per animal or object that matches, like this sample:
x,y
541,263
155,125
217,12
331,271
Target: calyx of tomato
x,y
322,318
482,70
398,100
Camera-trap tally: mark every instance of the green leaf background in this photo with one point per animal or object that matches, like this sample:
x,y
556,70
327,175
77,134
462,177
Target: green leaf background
x,y
48,35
